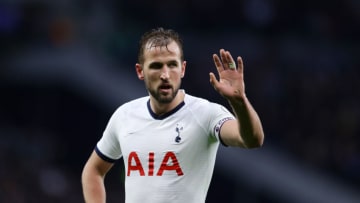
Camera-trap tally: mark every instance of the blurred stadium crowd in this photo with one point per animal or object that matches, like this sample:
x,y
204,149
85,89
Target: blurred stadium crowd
x,y
301,72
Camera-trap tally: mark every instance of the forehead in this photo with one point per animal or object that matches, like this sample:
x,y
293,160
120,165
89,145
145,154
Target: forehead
x,y
152,52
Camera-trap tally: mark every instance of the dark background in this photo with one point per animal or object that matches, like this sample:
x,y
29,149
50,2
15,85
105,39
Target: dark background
x,y
65,66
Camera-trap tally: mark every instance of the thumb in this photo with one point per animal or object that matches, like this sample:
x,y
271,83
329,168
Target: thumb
x,y
214,82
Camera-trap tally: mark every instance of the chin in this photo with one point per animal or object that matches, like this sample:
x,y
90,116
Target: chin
x,y
165,99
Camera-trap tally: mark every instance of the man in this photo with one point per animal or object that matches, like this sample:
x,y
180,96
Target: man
x,y
169,139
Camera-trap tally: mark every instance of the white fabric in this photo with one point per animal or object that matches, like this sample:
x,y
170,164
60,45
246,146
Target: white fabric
x,y
187,169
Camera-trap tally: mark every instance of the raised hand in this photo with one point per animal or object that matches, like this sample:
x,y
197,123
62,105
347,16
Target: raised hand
x,y
231,77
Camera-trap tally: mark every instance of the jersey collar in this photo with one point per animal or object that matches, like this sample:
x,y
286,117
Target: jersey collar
x,y
165,115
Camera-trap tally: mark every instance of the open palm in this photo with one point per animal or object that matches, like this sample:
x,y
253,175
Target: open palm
x,y
231,78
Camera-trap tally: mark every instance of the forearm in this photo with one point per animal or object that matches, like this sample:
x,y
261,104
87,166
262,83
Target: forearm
x,y
93,187
250,127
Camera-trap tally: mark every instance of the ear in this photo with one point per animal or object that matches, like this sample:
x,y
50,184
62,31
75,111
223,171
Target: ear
x,y
183,67
139,71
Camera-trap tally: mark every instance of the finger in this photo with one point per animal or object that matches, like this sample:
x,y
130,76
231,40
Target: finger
x,y
224,58
217,62
240,64
230,61
214,82
227,60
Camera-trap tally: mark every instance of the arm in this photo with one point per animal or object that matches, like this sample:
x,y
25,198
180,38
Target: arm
x,y
246,130
93,179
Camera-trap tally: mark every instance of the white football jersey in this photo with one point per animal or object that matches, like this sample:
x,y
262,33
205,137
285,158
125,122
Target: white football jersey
x,y
168,158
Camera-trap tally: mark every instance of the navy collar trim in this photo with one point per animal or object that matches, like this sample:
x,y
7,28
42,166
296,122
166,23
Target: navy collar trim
x,y
163,116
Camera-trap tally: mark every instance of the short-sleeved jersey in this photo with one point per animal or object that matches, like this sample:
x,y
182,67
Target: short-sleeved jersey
x,y
168,158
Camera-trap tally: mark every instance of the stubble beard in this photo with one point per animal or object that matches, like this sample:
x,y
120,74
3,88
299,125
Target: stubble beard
x,y
161,98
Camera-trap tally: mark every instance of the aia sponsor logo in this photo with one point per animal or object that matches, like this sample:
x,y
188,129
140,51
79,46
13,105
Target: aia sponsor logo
x,y
169,163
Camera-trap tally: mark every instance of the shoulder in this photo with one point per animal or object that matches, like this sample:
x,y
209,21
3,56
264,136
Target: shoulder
x,y
198,102
203,107
136,105
195,101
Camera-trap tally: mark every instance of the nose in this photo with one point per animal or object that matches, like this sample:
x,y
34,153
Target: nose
x,y
164,73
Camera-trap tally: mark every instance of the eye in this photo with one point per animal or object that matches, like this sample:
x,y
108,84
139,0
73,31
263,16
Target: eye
x,y
155,65
173,64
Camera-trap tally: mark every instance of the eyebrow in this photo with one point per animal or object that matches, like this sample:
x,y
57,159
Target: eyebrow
x,y
173,62
160,64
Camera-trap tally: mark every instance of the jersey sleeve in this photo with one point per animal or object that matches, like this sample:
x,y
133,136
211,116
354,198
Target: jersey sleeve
x,y
108,147
219,115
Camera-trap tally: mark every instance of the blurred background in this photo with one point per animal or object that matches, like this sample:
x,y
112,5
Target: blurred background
x,y
65,66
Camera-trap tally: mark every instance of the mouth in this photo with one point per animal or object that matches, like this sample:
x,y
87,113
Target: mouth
x,y
165,88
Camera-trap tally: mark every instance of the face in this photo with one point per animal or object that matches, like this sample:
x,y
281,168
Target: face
x,y
162,72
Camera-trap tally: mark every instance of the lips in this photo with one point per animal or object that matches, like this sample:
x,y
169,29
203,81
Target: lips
x,y
165,87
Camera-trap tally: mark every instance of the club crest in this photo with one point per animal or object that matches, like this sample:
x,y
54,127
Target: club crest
x,y
178,129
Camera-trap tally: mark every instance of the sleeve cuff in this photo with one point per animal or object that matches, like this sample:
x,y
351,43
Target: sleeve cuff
x,y
103,156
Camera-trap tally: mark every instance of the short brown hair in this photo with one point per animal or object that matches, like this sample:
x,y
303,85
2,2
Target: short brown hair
x,y
159,37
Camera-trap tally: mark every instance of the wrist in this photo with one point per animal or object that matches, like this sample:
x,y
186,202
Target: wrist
x,y
237,99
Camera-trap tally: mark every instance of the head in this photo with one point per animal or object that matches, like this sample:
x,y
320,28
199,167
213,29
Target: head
x,y
161,63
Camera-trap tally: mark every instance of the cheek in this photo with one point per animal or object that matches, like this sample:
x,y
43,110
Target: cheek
x,y
177,75
151,78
